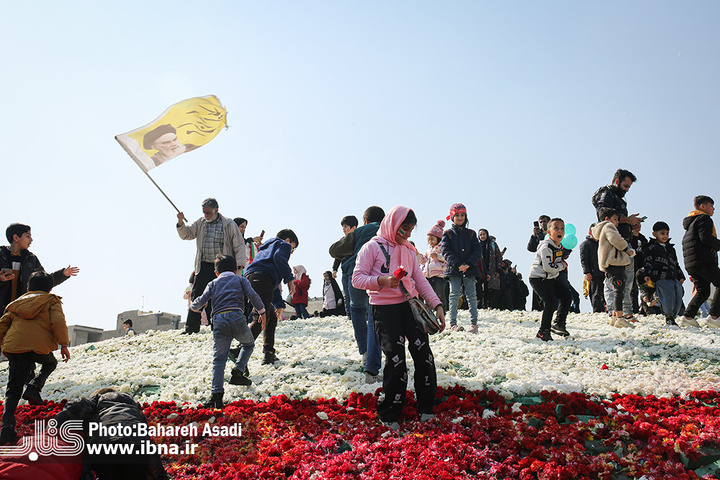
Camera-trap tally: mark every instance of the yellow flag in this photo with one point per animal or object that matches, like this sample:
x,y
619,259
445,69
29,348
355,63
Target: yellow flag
x,y
181,128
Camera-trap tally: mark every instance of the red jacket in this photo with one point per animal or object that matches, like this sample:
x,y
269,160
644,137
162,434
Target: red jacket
x,y
301,290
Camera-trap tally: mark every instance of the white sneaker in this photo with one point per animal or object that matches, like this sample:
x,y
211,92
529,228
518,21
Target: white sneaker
x,y
712,322
687,322
426,417
620,322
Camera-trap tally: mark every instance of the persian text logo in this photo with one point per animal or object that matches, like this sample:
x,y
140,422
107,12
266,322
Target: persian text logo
x,y
53,441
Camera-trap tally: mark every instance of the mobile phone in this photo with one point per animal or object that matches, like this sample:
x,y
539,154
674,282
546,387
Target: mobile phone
x,y
6,271
643,218
536,224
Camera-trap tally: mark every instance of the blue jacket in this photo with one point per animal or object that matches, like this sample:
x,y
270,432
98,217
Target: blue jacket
x,y
273,257
460,246
361,235
228,292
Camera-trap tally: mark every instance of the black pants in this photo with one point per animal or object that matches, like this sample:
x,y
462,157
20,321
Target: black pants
x,y
439,285
21,366
703,278
617,277
552,291
597,295
264,286
393,324
202,278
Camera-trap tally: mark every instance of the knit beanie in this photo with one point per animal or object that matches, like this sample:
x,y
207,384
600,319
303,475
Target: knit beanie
x,y
456,208
437,229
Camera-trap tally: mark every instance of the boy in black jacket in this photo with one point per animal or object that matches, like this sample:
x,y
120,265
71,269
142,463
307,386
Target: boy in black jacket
x,y
662,268
700,246
593,274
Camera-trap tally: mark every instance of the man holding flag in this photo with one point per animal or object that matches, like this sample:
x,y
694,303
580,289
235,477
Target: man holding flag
x,y
215,235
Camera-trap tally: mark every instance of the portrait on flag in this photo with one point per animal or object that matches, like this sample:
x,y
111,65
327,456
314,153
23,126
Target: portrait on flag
x,y
183,127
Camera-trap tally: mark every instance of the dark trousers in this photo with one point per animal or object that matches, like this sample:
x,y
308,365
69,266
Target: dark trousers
x,y
20,369
202,278
552,291
537,303
393,324
264,286
702,279
597,296
617,277
439,285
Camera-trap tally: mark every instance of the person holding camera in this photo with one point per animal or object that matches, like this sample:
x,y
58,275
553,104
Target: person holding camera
x,y
539,232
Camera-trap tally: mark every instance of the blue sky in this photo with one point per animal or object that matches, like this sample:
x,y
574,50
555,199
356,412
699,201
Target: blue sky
x,y
513,108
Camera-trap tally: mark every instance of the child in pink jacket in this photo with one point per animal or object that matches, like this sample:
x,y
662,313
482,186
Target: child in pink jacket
x,y
392,317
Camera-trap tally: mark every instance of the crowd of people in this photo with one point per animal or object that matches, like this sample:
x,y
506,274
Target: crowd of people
x,y
240,281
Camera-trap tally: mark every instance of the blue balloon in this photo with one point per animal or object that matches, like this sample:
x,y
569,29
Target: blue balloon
x,y
570,229
569,242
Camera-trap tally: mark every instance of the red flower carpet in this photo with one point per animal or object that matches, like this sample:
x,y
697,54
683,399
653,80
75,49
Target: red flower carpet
x,y
476,434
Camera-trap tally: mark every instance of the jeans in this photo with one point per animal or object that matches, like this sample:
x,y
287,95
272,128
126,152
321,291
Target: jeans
x,y
615,279
670,293
394,324
627,308
703,278
346,279
365,335
438,284
301,310
20,367
456,282
226,326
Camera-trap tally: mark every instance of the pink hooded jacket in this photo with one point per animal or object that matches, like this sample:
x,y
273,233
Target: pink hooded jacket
x,y
371,259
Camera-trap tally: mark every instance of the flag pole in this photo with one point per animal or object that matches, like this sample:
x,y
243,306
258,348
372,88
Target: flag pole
x,y
147,174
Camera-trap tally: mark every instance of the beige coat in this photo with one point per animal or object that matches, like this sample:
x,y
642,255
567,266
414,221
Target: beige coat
x,y
611,245
35,322
233,242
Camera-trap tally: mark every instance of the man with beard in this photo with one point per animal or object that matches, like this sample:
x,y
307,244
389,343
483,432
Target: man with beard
x,y
613,196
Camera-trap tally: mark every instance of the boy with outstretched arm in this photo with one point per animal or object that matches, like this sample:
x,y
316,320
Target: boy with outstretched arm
x,y
30,330
228,292
663,270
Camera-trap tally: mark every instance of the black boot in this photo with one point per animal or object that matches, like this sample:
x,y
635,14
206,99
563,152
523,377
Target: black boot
x,y
216,401
544,335
32,395
239,378
8,436
558,327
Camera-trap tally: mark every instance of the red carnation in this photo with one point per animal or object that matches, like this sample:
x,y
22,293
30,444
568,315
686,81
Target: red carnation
x,y
400,272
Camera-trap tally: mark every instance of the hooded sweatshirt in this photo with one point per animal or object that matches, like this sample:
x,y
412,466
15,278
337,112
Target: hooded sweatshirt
x,y
548,261
34,322
371,260
611,245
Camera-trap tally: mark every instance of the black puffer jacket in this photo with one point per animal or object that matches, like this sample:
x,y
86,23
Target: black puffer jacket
x,y
661,262
460,246
611,196
699,245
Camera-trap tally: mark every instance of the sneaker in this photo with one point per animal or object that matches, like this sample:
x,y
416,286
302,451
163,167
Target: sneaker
x,y
670,322
611,321
269,358
687,322
370,378
239,378
456,328
630,318
474,328
620,322
32,395
426,417
215,401
392,425
712,322
544,335
559,330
